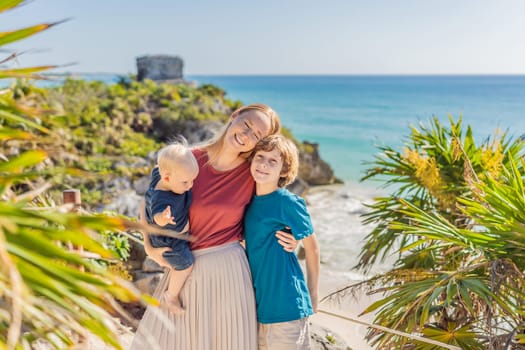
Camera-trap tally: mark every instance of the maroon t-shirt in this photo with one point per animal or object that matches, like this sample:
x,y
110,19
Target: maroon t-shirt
x,y
218,204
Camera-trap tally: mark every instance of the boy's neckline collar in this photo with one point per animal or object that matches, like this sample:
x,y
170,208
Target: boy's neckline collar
x,y
261,190
268,194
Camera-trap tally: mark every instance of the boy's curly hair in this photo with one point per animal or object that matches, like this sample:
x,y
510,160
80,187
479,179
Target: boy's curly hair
x,y
289,156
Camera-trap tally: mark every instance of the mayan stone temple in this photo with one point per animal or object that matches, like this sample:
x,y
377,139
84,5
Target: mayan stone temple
x,y
160,68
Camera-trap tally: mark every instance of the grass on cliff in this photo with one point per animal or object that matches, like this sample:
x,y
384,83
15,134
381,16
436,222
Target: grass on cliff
x,y
105,131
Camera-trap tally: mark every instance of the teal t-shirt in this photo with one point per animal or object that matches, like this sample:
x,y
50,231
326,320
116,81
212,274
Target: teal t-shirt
x,y
281,291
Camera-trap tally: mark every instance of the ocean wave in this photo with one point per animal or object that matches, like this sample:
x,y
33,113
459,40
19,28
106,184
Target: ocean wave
x,y
336,212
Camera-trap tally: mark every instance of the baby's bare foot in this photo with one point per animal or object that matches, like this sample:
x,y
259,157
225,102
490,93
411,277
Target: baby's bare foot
x,y
173,304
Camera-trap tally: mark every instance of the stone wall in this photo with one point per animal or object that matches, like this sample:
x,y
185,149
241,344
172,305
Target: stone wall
x,y
159,68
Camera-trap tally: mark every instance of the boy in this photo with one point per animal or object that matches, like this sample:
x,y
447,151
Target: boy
x,y
167,202
284,300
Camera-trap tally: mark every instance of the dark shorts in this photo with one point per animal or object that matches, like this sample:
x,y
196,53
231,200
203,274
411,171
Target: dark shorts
x,y
180,256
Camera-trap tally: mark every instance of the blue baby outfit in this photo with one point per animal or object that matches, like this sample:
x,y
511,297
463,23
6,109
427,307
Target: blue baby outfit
x,y
180,257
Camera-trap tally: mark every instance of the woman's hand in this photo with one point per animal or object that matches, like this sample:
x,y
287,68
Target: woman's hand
x,y
287,240
154,253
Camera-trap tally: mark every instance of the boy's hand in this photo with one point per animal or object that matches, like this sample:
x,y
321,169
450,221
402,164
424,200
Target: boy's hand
x,y
315,301
313,264
164,218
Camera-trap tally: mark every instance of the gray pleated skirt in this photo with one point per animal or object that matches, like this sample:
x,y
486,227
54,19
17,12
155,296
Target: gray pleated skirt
x,y
219,302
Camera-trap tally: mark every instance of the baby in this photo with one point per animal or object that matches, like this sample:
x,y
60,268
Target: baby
x,y
167,202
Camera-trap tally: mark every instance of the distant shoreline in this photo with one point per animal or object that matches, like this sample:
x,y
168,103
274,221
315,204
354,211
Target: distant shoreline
x,y
291,75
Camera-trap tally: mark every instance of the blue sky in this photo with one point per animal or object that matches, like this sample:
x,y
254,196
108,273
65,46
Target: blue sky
x,y
279,36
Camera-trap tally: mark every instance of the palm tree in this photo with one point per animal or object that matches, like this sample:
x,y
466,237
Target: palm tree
x,y
46,290
455,223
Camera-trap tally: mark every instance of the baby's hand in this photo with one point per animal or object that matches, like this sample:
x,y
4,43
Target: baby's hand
x,y
164,218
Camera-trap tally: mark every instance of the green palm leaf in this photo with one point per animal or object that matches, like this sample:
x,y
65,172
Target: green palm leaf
x,y
6,113
455,221
25,160
16,35
459,336
48,291
9,4
23,72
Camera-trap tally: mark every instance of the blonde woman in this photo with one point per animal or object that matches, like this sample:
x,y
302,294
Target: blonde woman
x,y
218,296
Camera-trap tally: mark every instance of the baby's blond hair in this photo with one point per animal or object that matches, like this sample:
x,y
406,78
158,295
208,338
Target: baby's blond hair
x,y
177,153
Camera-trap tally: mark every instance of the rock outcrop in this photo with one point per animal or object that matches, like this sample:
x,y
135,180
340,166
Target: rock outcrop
x,y
127,193
314,170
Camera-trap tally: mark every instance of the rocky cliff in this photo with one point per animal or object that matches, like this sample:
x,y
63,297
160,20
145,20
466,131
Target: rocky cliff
x,y
127,192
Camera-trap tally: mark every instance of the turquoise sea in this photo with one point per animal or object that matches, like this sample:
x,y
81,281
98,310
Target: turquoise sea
x,y
349,115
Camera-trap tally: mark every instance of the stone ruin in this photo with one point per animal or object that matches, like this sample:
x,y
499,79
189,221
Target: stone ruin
x,y
160,68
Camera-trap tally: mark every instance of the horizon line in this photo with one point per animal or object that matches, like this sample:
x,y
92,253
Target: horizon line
x,y
303,74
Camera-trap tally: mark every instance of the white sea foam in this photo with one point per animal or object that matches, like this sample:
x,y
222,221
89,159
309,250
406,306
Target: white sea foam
x,y
336,214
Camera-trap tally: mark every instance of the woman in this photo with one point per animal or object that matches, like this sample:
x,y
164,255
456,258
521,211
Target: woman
x,y
218,296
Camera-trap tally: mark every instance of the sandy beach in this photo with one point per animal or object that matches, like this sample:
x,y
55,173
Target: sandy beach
x,y
352,333
336,212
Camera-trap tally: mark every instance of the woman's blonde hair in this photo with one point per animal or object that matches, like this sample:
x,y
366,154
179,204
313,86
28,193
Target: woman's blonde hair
x,y
289,156
214,146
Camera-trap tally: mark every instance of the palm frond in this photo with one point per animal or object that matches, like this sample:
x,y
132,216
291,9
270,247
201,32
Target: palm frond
x,y
455,221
